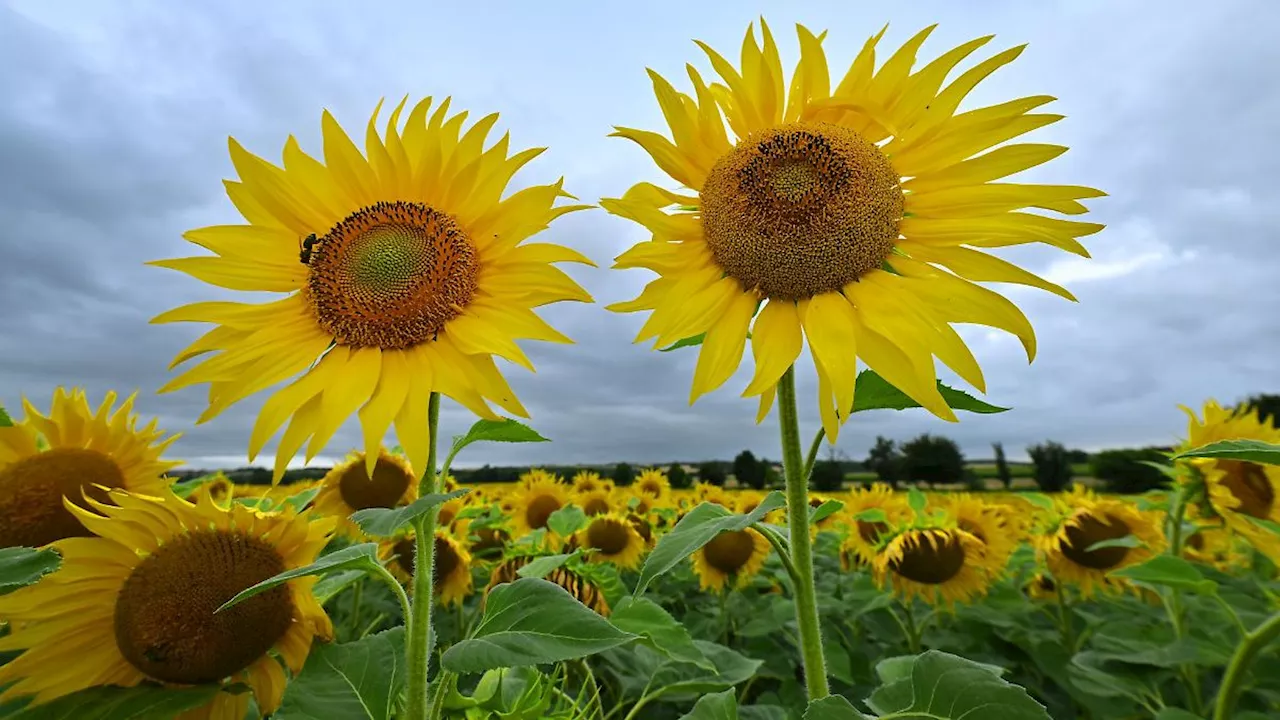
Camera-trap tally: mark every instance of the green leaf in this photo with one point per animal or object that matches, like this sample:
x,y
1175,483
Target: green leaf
x,y
504,430
5,420
717,706
1127,541
543,566
360,679
567,520
184,488
1173,713
22,566
357,557
330,585
679,680
531,622
665,634
144,702
300,500
699,527
824,511
942,686
1167,470
1169,571
687,342
1040,500
1247,450
916,500
386,522
833,707
872,392
872,515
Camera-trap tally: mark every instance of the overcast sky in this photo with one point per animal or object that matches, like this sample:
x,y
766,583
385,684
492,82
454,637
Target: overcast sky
x,y
114,120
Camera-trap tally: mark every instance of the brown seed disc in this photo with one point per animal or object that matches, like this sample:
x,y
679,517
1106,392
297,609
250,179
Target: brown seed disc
x,y
801,209
403,552
870,531
31,492
1089,531
391,275
383,490
607,535
489,539
642,526
540,509
595,506
1249,484
729,551
165,624
931,563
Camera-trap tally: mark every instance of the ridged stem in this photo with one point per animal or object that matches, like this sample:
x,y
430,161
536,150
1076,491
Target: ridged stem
x,y
1245,653
419,628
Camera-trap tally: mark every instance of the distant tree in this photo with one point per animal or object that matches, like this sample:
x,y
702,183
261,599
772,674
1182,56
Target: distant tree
x,y
1268,407
1123,472
772,478
623,474
827,476
932,459
677,476
1077,456
748,470
711,472
885,461
1052,466
1002,467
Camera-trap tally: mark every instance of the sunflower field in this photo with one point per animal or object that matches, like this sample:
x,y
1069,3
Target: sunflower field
x,y
850,221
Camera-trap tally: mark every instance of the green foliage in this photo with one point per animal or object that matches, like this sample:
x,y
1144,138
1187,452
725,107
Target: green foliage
x,y
1267,405
932,459
144,702
1052,466
712,473
659,630
678,477
5,420
362,557
1169,571
1002,466
832,708
940,686
21,566
1246,450
716,706
386,522
872,392
504,430
359,680
827,476
1123,471
885,461
748,470
623,474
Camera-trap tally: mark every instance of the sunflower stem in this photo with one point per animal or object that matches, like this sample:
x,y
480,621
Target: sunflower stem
x,y
406,607
355,605
815,669
1241,661
812,457
1065,622
913,632
419,628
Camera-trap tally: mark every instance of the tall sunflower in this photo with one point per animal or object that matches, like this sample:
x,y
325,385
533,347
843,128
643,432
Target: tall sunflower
x,y
136,603
936,564
82,448
732,557
880,509
534,503
452,578
589,481
856,217
1083,520
612,538
1235,490
991,524
349,487
654,483
404,273
597,501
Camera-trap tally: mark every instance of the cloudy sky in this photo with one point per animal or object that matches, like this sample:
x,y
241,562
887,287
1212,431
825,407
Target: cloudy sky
x,y
114,120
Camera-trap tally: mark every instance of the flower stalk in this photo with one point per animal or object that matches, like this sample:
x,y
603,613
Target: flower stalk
x,y
1241,661
419,625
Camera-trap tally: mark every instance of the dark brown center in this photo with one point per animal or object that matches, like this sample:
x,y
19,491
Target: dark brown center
x,y
607,535
1249,484
729,551
383,490
1089,531
595,506
540,509
930,562
31,492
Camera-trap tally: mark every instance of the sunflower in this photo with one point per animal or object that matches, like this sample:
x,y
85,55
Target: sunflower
x,y
612,538
1237,491
536,476
881,508
588,481
856,217
349,487
937,564
136,603
575,583
448,512
410,279
1216,546
218,487
732,556
535,501
82,448
596,502
452,579
991,524
654,483
1084,520
706,492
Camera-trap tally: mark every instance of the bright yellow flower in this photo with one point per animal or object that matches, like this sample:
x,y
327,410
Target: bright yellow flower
x,y
990,523
732,557
534,503
404,272
452,579
83,448
614,539
653,482
938,565
348,487
1084,519
855,216
136,604
597,501
863,534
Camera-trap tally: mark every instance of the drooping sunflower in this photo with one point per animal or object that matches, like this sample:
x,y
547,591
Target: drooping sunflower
x,y
581,587
731,558
136,603
405,274
452,578
654,483
1084,520
1235,490
1217,546
991,524
82,448
880,509
855,216
349,487
940,565
612,538
535,501
589,481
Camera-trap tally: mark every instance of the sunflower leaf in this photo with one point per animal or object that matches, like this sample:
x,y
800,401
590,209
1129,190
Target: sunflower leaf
x,y
942,686
872,515
681,681
699,527
1169,571
1247,450
916,500
532,622
185,488
358,680
21,566
716,706
824,511
833,707
659,630
872,392
567,520
386,522
1040,500
1128,541
5,420
300,500
544,565
143,702
330,585
694,341
357,557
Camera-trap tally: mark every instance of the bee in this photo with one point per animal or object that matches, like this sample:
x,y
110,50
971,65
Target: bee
x,y
307,245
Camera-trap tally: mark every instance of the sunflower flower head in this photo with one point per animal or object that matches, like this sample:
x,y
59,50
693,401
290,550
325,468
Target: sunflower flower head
x,y
869,513
404,272
612,538
72,452
1092,536
536,501
452,578
349,487
654,483
853,217
731,559
589,481
925,554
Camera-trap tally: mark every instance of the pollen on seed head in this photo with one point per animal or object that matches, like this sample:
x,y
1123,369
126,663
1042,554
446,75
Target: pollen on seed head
x,y
801,209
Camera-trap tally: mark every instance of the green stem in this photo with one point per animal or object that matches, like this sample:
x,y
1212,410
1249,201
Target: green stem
x,y
1065,623
724,616
780,547
406,607
590,677
419,629
815,669
812,457
913,632
1175,530
355,605
1233,681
